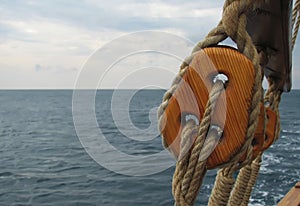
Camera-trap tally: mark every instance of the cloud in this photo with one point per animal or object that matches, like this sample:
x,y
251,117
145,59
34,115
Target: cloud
x,y
56,69
57,34
165,10
14,77
40,38
130,15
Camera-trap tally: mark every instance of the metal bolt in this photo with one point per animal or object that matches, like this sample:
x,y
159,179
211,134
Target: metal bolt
x,y
221,77
218,129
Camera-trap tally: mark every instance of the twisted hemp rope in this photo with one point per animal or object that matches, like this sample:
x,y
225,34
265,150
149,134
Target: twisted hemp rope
x,y
190,168
189,171
248,175
234,21
295,21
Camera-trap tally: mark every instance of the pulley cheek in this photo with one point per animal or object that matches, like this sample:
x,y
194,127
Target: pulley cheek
x,y
225,132
232,108
265,132
259,136
270,128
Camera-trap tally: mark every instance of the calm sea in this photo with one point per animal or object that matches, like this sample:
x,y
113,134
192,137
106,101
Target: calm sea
x,y
42,161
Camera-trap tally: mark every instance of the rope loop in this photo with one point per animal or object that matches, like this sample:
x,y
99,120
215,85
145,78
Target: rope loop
x,y
190,168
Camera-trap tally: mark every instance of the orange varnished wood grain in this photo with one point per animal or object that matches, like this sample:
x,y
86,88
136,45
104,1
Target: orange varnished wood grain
x,y
259,136
232,107
292,198
270,129
264,137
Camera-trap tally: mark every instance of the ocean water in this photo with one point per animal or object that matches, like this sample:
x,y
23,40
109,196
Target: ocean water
x,y
42,161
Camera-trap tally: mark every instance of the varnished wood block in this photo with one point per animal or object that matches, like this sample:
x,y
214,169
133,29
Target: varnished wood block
x,y
270,129
232,109
292,198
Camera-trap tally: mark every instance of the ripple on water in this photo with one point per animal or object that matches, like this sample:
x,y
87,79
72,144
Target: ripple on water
x,y
43,163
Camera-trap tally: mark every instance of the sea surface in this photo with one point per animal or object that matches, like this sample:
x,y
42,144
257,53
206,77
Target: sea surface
x,y
42,161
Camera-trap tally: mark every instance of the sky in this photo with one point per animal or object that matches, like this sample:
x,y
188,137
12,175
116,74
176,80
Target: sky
x,y
44,44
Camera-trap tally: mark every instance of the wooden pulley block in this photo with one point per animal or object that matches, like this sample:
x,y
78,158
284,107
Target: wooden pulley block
x,y
264,136
232,109
270,128
259,136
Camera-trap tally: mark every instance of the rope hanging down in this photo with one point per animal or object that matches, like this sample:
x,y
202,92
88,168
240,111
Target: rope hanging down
x,y
233,25
234,15
295,21
190,168
190,171
272,98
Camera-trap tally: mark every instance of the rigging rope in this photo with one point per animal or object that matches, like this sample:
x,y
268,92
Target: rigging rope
x,y
295,21
234,19
190,170
272,98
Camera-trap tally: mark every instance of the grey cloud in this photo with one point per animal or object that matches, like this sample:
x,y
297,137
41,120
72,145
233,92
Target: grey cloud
x,y
9,32
95,14
39,68
56,69
76,13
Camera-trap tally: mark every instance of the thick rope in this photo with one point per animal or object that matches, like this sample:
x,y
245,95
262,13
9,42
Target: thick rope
x,y
189,130
166,99
295,21
191,168
213,38
248,175
241,194
234,22
223,185
255,166
272,98
240,186
233,25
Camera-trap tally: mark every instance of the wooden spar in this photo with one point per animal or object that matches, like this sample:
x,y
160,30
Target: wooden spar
x,y
292,198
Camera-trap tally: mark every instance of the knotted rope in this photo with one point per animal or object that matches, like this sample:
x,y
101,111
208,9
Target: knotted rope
x,y
272,98
190,170
248,174
255,166
234,20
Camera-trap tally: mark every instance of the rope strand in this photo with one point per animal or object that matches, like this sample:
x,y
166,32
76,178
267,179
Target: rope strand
x,y
295,22
190,169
